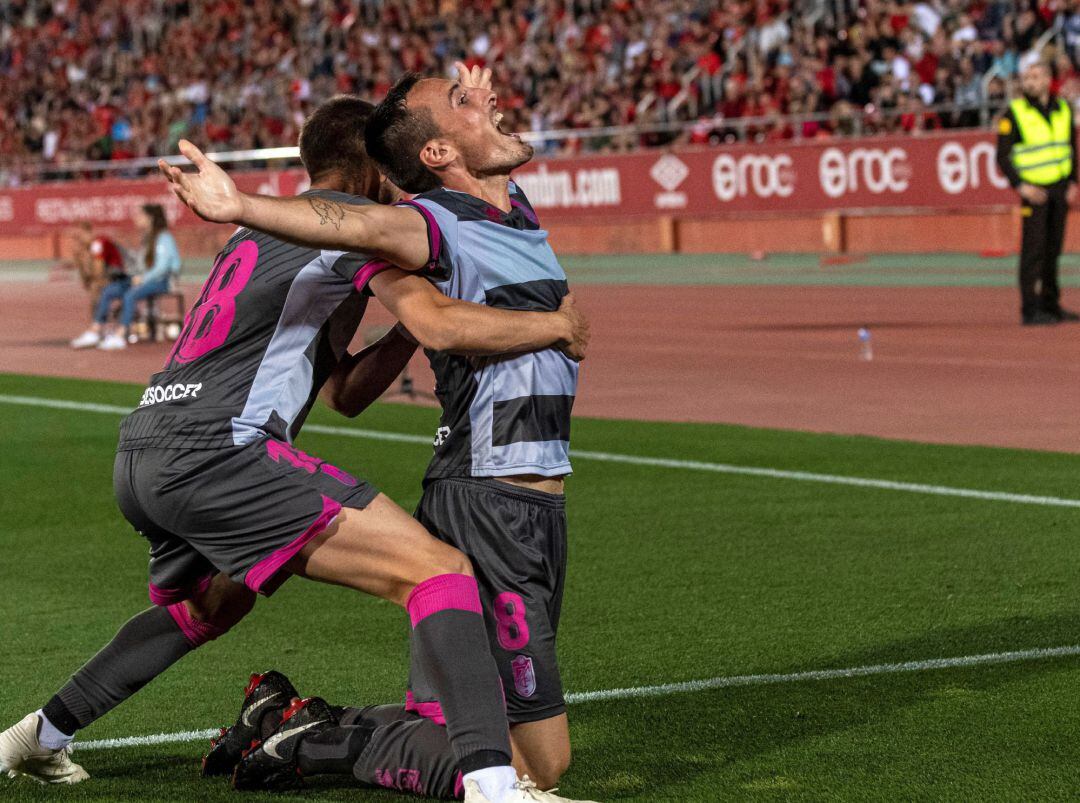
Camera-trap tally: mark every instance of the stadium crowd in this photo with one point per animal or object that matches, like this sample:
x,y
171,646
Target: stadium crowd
x,y
112,79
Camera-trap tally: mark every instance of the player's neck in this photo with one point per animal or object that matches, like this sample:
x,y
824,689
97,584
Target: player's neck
x,y
493,189
358,184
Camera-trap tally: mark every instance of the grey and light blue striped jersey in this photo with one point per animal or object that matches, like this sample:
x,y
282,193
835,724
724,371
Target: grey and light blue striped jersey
x,y
509,415
270,324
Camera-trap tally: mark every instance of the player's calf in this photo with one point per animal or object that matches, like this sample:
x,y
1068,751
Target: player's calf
x,y
384,551
147,645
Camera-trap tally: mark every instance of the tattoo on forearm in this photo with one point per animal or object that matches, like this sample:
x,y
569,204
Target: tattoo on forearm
x,y
328,211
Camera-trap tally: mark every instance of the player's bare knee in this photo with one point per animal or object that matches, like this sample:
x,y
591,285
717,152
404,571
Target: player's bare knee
x,y
550,768
452,561
221,606
233,608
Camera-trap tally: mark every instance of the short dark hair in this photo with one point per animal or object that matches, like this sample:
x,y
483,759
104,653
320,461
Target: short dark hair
x,y
332,138
395,134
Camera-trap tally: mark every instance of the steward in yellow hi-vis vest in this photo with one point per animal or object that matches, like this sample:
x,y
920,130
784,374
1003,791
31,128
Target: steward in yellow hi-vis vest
x,y
1036,151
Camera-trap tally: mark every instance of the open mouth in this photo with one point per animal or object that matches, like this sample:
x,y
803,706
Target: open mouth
x,y
496,120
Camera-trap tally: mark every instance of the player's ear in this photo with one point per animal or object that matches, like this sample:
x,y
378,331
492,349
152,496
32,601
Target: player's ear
x,y
438,154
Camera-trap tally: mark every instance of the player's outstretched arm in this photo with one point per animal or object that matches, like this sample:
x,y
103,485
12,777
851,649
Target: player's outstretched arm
x,y
396,234
361,378
446,324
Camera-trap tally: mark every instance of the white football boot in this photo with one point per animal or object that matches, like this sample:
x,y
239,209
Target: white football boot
x,y
524,791
22,754
113,342
87,340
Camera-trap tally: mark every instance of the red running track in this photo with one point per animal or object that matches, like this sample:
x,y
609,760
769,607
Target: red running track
x,y
951,365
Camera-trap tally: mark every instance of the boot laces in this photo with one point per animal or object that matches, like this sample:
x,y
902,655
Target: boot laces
x,y
529,787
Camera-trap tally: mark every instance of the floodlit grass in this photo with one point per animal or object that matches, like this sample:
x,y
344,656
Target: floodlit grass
x,y
675,575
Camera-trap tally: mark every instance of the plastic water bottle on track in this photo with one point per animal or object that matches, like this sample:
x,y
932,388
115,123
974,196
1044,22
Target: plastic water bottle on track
x,y
866,344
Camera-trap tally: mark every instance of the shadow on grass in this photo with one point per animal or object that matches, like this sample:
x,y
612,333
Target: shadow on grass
x,y
640,748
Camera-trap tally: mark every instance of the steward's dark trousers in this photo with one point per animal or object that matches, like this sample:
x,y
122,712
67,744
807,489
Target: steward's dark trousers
x,y
1043,234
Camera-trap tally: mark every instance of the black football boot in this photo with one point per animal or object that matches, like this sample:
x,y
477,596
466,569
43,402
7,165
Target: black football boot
x,y
266,696
271,765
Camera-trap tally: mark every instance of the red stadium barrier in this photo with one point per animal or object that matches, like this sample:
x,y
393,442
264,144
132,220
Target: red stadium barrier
x,y
109,203
919,173
934,172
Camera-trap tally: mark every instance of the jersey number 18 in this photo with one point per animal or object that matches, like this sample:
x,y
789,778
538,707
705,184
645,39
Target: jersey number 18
x,y
208,324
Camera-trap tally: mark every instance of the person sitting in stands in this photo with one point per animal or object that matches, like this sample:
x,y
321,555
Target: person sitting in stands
x,y
162,261
103,272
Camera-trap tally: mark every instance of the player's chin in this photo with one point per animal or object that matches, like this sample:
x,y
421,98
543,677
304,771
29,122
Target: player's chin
x,y
517,152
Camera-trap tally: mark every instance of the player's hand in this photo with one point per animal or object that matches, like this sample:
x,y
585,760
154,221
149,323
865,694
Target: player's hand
x,y
476,78
575,345
1072,193
1032,194
209,193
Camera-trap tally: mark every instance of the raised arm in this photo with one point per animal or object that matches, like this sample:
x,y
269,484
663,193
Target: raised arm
x,y
396,234
447,324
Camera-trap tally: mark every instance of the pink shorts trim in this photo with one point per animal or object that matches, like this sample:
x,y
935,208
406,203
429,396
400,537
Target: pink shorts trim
x,y
432,710
261,572
457,592
164,597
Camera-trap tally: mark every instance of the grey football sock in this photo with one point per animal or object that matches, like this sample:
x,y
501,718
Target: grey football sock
x,y
147,645
404,751
333,751
450,643
411,755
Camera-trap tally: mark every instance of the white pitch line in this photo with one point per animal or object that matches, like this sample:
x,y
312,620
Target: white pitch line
x,y
635,460
666,689
143,741
825,674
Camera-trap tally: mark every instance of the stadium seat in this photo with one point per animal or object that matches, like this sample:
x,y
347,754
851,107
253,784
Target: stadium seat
x,y
157,320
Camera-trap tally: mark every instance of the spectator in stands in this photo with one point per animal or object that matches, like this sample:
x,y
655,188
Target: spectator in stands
x,y
112,80
102,268
87,261
161,259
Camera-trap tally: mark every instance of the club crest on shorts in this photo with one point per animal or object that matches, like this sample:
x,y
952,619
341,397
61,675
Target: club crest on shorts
x,y
524,675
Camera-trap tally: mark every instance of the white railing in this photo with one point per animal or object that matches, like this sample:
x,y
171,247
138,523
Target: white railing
x,y
857,123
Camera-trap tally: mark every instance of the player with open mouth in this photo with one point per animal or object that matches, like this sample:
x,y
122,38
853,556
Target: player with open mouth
x,y
495,485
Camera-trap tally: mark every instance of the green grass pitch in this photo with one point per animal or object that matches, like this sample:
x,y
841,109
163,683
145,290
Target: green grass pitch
x,y
675,575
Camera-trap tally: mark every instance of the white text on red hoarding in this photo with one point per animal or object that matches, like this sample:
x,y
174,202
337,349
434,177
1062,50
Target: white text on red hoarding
x,y
548,189
763,176
958,167
880,171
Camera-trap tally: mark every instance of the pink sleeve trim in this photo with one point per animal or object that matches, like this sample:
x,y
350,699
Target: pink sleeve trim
x,y
434,232
369,271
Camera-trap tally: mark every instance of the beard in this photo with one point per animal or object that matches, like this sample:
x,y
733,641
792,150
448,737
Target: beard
x,y
511,155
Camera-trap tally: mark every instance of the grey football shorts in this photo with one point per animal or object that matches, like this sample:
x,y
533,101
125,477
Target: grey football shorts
x,y
516,540
243,510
